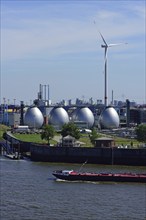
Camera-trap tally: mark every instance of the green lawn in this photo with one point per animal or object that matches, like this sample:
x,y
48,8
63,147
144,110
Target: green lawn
x,y
84,138
36,138
126,142
3,128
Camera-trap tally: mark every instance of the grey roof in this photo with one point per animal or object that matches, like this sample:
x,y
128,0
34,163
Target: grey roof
x,y
68,137
104,139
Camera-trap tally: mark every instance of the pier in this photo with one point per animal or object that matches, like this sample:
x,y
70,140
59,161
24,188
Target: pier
x,y
8,150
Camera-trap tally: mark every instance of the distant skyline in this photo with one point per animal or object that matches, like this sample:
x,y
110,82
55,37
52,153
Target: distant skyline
x,y
57,43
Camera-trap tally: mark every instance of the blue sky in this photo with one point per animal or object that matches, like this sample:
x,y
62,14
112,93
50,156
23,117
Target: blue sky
x,y
58,43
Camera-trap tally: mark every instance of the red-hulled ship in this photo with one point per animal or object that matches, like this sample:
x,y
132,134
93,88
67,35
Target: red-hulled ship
x,y
72,175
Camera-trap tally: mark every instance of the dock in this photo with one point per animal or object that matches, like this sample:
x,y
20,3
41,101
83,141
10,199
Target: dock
x,y
8,151
11,156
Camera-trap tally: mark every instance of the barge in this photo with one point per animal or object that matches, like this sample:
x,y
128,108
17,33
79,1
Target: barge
x,y
71,175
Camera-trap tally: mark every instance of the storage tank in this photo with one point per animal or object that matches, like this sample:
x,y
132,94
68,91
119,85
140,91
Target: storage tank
x,y
58,117
33,117
109,118
83,114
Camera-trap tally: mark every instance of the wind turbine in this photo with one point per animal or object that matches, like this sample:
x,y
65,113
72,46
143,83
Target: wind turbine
x,y
106,46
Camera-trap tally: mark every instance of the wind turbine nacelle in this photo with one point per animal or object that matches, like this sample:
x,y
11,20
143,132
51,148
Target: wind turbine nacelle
x,y
103,46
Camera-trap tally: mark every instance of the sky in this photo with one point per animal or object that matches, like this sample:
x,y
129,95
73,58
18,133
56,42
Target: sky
x,y
57,43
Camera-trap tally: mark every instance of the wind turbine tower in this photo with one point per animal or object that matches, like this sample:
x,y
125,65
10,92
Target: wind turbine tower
x,y
106,46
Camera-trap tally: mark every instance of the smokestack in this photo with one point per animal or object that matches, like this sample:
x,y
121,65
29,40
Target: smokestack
x,y
40,93
48,94
45,91
21,113
112,97
127,112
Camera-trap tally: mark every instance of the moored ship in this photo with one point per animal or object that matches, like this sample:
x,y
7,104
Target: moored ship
x,y
71,175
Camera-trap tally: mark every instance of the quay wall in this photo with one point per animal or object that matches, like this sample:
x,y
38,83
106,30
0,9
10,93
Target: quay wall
x,y
95,155
15,143
136,157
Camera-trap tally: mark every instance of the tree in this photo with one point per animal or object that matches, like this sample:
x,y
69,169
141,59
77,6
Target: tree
x,y
48,133
70,129
93,135
141,133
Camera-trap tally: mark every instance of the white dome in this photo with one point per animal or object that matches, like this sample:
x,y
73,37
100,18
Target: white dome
x,y
33,117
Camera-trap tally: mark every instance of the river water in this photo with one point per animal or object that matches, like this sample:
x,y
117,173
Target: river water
x,y
30,192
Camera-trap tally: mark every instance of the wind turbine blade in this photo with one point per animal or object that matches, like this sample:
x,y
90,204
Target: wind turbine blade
x,y
103,39
111,45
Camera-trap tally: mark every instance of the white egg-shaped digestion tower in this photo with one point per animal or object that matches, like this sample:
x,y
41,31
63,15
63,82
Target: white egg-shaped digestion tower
x,y
33,118
58,117
109,118
85,115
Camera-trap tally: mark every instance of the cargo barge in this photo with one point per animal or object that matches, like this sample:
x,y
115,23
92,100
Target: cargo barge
x,y
71,175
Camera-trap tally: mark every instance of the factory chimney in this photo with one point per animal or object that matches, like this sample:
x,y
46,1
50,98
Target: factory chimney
x,y
112,97
21,113
127,112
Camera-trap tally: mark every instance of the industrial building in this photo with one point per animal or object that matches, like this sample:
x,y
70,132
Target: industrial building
x,y
84,115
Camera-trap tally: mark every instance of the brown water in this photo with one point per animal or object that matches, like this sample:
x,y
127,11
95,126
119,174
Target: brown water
x,y
30,192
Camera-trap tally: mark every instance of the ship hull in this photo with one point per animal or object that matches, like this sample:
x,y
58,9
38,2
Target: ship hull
x,y
101,177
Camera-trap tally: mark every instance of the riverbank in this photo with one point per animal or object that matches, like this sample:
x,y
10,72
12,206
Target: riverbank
x,y
114,156
94,155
